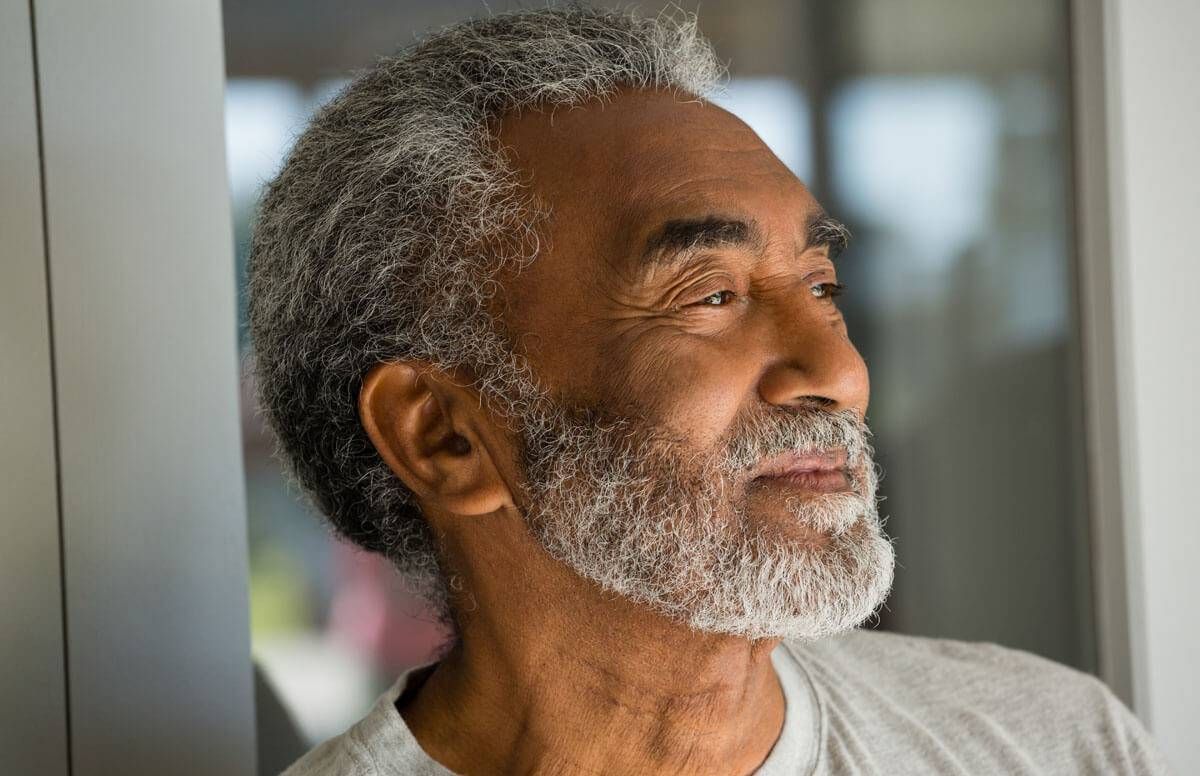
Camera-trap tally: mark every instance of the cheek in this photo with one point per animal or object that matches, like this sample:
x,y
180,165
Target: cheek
x,y
696,390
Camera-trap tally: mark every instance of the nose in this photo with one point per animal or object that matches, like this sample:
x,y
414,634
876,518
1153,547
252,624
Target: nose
x,y
815,362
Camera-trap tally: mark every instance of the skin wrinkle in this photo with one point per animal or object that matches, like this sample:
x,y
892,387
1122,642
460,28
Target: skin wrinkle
x,y
636,323
625,342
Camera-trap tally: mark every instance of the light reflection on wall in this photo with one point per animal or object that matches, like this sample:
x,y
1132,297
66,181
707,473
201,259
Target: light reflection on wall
x,y
777,111
916,157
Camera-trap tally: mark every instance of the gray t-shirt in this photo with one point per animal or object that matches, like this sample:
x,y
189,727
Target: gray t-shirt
x,y
868,702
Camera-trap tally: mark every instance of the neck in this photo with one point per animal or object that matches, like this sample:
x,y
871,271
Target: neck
x,y
552,675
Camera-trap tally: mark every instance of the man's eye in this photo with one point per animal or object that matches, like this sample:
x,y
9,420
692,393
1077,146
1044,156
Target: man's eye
x,y
827,290
717,299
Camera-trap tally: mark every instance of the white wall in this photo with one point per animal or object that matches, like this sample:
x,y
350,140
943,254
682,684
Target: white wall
x,y
1152,69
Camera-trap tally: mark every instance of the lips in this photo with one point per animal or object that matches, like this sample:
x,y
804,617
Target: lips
x,y
816,472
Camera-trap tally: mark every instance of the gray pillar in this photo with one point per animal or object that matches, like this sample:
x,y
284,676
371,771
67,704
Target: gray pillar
x,y
33,701
142,336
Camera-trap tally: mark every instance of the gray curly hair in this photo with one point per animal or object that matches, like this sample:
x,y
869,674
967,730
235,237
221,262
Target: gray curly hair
x,y
385,235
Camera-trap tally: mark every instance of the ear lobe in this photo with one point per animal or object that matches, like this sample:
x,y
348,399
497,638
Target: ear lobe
x,y
424,428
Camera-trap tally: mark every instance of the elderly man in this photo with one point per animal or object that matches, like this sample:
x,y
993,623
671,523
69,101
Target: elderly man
x,y
560,339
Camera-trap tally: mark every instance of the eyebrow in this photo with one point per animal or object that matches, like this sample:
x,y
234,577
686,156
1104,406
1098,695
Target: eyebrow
x,y
678,237
823,230
681,236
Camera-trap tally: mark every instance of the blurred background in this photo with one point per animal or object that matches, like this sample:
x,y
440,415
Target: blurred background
x,y
939,131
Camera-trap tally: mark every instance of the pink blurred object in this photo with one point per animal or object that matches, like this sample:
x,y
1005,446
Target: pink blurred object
x,y
373,611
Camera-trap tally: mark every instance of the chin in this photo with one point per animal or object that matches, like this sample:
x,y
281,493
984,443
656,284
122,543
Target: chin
x,y
801,583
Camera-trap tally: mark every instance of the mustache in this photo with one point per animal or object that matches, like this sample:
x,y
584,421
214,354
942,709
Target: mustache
x,y
807,429
628,443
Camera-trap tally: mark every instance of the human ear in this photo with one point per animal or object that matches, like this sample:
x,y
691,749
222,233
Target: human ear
x,y
431,433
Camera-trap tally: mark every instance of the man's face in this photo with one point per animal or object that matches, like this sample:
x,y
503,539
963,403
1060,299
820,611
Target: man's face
x,y
704,451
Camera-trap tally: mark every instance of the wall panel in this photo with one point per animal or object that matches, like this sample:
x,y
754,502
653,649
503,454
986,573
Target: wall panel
x,y
153,503
33,712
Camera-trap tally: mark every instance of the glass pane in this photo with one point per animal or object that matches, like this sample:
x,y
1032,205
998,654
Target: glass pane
x,y
955,186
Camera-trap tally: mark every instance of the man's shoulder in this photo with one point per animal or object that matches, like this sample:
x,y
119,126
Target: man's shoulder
x,y
379,744
981,696
339,755
933,665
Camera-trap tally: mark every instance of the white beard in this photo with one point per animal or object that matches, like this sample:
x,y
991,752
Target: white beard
x,y
654,520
